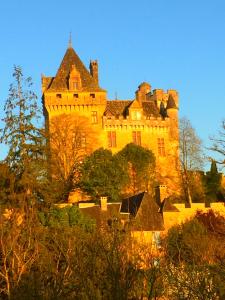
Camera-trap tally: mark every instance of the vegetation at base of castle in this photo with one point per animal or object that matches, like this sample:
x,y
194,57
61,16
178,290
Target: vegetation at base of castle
x,y
213,183
219,144
25,140
130,171
103,174
67,262
140,166
191,155
68,216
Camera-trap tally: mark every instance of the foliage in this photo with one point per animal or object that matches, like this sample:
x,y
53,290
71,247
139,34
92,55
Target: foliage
x,y
25,140
195,258
7,179
103,174
68,216
213,182
140,165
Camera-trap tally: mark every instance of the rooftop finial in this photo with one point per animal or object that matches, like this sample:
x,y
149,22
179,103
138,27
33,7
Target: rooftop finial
x,y
70,41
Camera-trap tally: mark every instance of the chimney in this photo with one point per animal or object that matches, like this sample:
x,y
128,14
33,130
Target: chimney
x,y
161,193
103,203
94,70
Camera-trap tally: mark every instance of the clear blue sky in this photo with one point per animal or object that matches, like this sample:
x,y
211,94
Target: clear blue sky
x,y
172,44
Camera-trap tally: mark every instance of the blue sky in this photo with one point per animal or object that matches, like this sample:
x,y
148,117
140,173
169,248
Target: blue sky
x,y
172,44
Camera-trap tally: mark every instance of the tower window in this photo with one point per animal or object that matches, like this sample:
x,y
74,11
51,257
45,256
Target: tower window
x,y
161,147
58,96
136,135
94,117
92,95
111,139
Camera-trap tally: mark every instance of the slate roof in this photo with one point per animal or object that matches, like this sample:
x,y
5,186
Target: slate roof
x,y
117,107
150,109
171,103
101,217
120,108
60,81
131,205
145,212
167,206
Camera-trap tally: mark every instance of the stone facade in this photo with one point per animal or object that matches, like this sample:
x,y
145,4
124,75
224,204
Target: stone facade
x,y
149,120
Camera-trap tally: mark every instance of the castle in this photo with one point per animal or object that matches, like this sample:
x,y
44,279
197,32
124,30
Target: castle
x,y
149,120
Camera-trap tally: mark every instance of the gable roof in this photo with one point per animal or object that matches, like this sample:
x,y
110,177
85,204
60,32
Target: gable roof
x,y
167,206
131,205
60,81
150,109
145,212
117,107
101,217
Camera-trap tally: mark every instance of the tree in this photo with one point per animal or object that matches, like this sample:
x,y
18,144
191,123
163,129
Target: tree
x,y
140,165
213,182
102,174
21,134
71,138
219,144
191,156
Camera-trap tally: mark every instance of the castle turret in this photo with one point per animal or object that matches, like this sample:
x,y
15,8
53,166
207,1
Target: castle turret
x,y
172,109
143,89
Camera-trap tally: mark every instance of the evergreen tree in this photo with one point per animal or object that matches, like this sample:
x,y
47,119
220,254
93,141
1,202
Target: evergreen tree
x,y
213,182
21,135
140,166
102,174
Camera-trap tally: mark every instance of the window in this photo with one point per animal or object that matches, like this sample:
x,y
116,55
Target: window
x,y
136,137
94,117
75,96
111,139
161,147
92,95
58,96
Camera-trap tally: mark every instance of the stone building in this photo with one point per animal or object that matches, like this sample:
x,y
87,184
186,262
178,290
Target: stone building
x,y
149,120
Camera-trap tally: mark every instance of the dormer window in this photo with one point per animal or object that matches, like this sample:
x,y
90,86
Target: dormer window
x,y
136,115
74,79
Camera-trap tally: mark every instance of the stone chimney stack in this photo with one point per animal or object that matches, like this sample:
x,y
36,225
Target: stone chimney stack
x,y
161,193
94,69
103,203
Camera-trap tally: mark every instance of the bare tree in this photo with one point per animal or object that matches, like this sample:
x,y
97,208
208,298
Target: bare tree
x,y
191,155
71,138
219,144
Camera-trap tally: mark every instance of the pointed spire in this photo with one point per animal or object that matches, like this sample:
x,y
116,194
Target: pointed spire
x,y
70,41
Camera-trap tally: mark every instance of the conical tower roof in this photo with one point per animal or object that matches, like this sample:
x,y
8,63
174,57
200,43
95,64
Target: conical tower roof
x,y
171,103
61,80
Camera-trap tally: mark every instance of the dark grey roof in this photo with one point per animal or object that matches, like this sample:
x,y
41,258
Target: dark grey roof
x,y
60,81
171,103
120,108
131,205
145,212
117,108
167,206
101,217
